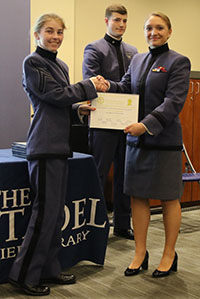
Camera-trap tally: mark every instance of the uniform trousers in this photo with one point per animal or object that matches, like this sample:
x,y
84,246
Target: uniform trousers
x,y
109,146
38,257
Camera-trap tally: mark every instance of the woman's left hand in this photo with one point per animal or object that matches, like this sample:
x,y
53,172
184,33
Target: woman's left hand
x,y
135,129
84,109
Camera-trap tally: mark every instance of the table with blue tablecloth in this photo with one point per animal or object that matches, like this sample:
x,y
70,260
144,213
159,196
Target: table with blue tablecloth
x,y
86,227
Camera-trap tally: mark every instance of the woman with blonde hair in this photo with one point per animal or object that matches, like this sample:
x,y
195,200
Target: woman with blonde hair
x,y
153,167
46,82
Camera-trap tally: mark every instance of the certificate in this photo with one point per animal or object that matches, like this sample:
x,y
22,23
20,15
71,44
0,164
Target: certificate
x,y
114,110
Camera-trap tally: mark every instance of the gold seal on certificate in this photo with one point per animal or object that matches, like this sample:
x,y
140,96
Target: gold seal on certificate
x,y
114,110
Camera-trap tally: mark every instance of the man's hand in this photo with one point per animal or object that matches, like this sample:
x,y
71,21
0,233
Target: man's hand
x,y
100,83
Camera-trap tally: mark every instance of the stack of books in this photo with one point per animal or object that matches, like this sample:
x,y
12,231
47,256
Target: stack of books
x,y
19,149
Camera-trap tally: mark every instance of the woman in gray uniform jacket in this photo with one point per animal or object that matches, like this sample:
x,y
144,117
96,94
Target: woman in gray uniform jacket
x,y
46,82
153,168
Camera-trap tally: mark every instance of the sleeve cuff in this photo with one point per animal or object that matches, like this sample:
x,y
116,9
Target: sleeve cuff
x,y
80,116
93,83
150,133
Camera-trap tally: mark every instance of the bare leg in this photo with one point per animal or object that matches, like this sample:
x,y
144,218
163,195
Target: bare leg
x,y
172,222
140,217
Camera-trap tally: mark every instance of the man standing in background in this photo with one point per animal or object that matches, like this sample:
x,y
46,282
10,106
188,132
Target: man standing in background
x,y
110,57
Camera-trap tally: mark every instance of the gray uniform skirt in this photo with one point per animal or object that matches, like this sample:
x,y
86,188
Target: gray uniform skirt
x,y
153,174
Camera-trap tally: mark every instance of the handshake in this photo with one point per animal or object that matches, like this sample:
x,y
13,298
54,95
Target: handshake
x,y
100,83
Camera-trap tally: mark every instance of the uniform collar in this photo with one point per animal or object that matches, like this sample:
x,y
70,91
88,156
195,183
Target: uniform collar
x,y
45,53
112,40
159,50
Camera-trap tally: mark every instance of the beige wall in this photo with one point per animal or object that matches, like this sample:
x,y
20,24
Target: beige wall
x,y
85,19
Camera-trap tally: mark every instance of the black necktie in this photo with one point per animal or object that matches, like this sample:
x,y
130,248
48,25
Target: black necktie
x,y
120,60
117,44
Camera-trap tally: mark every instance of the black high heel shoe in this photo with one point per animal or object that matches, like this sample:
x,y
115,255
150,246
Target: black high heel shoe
x,y
157,273
144,266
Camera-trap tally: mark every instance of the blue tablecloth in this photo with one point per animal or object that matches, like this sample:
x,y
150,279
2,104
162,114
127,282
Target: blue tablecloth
x,y
86,227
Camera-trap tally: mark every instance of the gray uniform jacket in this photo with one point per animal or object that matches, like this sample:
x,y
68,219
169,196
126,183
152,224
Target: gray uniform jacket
x,y
46,81
162,95
100,59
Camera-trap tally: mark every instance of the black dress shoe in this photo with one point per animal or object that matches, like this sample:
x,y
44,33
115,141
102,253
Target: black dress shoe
x,y
60,279
144,266
37,290
124,233
157,273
